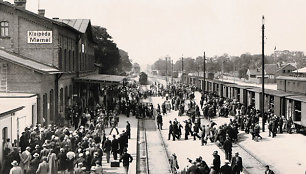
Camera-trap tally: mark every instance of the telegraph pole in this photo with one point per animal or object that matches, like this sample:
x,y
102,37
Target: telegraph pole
x,y
166,70
263,75
204,73
172,71
182,64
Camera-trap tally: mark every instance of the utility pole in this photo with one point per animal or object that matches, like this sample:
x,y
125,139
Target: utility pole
x,y
182,64
172,71
263,75
204,73
166,70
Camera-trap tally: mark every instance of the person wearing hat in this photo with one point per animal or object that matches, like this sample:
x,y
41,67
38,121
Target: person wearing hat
x,y
127,159
107,148
194,168
216,161
98,168
226,169
25,158
268,170
173,163
34,164
16,169
236,164
115,147
36,150
43,167
62,161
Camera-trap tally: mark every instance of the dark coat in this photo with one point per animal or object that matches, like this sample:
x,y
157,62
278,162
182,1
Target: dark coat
x,y
237,163
126,159
226,169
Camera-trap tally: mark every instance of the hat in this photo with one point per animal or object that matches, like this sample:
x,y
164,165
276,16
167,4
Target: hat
x,y
215,153
28,148
226,162
237,153
36,155
37,146
14,163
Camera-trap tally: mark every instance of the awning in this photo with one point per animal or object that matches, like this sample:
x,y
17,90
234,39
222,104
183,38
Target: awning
x,y
27,63
100,78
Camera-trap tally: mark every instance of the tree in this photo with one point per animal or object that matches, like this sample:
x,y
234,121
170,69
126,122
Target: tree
x,y
125,64
106,51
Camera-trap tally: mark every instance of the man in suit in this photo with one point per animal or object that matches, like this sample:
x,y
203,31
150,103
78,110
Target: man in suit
x,y
115,146
268,170
227,146
127,159
226,169
159,121
236,164
107,149
216,161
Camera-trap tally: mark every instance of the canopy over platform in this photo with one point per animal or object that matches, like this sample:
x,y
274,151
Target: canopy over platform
x,y
101,78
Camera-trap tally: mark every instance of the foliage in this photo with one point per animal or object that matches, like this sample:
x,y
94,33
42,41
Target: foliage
x,y
107,54
229,64
143,78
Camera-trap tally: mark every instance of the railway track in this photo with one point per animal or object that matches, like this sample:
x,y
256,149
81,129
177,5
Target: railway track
x,y
142,159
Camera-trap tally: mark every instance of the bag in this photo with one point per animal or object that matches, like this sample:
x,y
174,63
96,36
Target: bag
x,y
115,164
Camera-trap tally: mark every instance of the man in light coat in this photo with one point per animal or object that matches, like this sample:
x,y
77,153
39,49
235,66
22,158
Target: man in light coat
x,y
25,158
16,169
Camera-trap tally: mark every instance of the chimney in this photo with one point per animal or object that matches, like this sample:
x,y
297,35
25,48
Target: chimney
x,y
20,3
41,12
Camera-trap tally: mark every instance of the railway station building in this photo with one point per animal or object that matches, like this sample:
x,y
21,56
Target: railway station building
x,y
44,56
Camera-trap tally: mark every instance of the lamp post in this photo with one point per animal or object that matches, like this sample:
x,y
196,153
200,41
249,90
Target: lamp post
x,y
263,75
204,73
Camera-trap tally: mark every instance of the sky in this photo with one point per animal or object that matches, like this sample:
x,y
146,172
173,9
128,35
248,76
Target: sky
x,y
153,29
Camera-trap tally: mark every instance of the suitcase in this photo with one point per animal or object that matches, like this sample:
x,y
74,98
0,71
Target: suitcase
x,y
115,164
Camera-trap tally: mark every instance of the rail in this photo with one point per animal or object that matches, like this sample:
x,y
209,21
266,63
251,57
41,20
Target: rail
x,y
142,162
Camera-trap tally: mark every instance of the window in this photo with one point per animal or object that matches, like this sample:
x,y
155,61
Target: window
x,y
52,105
61,99
45,106
60,59
4,29
3,77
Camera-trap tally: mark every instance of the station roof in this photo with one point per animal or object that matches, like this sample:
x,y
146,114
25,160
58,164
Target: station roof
x,y
291,78
301,98
6,109
78,24
27,63
16,95
101,78
272,92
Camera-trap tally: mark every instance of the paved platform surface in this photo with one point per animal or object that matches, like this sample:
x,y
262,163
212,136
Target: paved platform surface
x,y
286,153
132,148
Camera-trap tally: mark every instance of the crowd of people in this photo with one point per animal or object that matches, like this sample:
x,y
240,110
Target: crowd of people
x,y
181,97
78,146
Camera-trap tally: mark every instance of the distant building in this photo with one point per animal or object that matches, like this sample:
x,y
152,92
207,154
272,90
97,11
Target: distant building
x,y
285,70
294,82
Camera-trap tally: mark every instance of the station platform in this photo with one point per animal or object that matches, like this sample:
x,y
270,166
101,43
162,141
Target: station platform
x,y
284,154
132,146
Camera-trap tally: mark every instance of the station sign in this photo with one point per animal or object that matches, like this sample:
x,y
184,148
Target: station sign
x,y
40,37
